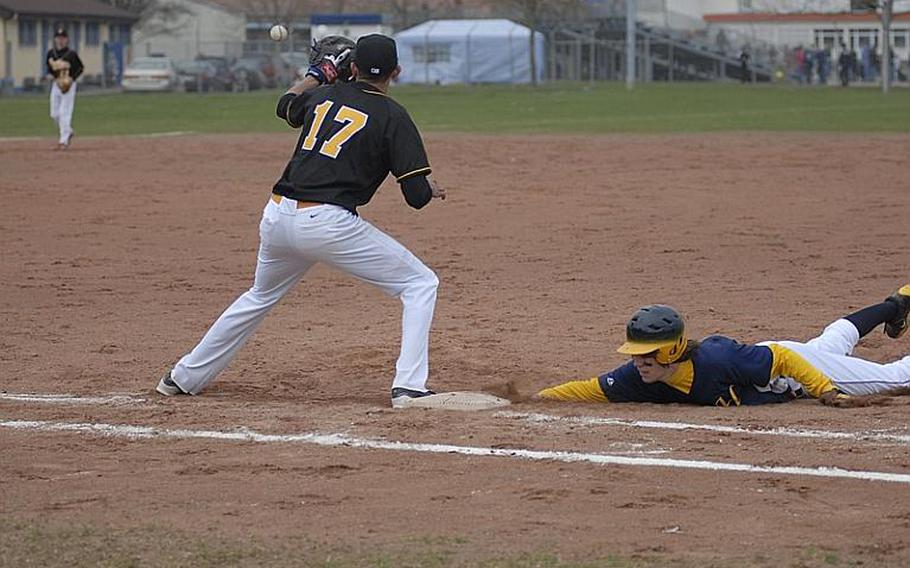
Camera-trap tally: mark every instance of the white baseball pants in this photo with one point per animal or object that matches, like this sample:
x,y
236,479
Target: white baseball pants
x,y
830,354
293,240
62,105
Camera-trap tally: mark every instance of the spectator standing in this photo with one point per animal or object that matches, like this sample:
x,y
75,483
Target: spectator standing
x,y
844,65
744,69
807,65
865,57
822,64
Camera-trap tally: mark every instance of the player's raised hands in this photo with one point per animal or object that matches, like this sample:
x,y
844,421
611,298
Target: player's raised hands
x,y
330,59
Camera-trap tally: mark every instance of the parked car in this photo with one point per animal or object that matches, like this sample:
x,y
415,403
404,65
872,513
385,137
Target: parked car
x,y
272,70
149,74
224,78
196,76
248,75
298,61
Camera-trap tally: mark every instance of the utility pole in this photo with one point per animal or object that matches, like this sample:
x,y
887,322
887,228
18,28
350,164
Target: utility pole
x,y
631,16
887,65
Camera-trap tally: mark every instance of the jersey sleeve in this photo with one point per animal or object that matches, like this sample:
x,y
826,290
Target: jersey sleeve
x,y
77,67
292,109
624,384
575,391
417,191
407,156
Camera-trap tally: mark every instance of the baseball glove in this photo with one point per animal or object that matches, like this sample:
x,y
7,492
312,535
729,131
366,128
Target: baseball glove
x,y
330,59
64,83
61,69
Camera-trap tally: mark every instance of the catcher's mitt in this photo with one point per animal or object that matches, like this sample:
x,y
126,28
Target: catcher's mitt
x,y
64,83
330,59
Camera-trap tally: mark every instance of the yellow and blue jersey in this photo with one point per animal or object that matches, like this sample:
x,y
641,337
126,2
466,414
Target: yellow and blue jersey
x,y
719,371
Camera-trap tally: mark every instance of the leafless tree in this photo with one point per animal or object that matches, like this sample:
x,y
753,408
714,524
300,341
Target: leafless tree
x,y
533,13
156,17
280,11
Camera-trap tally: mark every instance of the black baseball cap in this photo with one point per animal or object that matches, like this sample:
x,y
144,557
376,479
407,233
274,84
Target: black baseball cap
x,y
61,33
376,55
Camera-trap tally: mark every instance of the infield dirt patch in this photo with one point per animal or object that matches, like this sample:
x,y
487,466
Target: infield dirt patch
x,y
118,254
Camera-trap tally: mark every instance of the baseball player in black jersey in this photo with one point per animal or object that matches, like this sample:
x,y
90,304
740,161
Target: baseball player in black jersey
x,y
352,136
64,67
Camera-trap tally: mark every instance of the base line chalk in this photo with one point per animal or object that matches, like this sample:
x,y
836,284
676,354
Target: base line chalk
x,y
533,417
344,440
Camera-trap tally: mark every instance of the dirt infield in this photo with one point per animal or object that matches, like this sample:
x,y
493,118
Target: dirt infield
x,y
119,253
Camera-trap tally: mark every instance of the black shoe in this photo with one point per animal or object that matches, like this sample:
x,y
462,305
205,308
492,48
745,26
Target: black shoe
x,y
402,397
898,326
168,387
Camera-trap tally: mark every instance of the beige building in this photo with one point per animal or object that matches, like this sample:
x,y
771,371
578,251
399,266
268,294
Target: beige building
x,y
187,28
27,32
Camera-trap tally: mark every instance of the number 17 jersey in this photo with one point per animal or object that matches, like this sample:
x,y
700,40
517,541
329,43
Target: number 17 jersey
x,y
352,136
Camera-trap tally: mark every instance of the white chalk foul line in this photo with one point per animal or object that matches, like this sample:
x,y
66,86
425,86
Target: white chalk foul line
x,y
539,418
534,417
343,440
71,399
146,135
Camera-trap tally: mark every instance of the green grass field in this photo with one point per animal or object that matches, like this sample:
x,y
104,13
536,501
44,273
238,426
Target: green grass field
x,y
565,108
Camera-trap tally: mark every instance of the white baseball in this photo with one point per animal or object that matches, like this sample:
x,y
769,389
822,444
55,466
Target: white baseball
x,y
278,32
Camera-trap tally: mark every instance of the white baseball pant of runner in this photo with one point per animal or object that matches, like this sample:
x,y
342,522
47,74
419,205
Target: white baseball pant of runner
x,y
62,105
830,354
292,240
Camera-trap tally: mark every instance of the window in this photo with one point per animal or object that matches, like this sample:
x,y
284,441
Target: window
x,y
899,39
120,33
828,39
28,33
432,53
92,34
863,38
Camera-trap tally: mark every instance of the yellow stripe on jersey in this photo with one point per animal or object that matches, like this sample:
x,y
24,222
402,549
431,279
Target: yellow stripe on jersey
x,y
683,377
576,391
417,172
789,363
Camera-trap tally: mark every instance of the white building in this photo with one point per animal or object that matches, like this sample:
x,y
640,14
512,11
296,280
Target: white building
x,y
824,30
783,24
183,29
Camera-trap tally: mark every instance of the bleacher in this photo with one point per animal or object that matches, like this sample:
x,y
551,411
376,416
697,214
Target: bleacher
x,y
595,50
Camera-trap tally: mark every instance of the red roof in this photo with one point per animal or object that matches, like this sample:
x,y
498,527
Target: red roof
x,y
752,17
79,8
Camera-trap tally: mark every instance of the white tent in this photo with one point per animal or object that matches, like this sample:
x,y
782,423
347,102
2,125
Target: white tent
x,y
468,51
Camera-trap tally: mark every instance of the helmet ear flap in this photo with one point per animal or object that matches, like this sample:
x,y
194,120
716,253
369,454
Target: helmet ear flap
x,y
672,353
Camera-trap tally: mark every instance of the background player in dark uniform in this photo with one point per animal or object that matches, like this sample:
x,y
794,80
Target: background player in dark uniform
x,y
666,367
352,136
63,67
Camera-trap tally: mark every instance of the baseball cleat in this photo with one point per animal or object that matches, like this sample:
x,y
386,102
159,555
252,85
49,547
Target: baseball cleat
x,y
402,397
898,326
168,387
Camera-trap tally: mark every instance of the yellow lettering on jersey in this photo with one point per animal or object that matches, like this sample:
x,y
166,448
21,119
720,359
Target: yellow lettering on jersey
x,y
353,121
320,111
